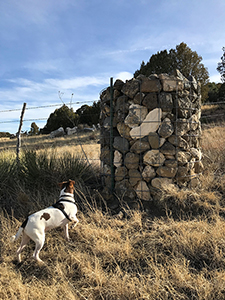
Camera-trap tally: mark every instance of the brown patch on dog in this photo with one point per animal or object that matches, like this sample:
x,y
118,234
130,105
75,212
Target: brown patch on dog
x,y
45,216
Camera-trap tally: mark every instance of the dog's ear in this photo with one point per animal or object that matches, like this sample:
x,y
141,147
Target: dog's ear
x,y
60,184
72,181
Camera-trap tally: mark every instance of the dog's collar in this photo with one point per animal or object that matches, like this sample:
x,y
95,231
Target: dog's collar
x,y
67,198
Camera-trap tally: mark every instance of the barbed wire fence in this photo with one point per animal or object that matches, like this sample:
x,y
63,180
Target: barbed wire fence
x,y
207,119
80,138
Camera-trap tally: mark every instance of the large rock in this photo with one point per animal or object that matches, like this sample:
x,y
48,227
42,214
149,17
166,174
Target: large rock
x,y
142,190
131,160
151,101
162,183
181,126
165,171
134,176
178,141
124,190
154,158
117,159
148,173
149,85
137,114
131,87
138,98
122,104
165,102
168,149
183,107
124,130
170,83
121,144
166,128
183,157
120,173
118,84
140,146
150,124
155,140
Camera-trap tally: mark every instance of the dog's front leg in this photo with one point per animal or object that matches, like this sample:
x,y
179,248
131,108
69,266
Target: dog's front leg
x,y
66,232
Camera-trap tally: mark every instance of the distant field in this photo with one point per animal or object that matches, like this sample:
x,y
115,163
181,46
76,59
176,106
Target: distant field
x,y
80,144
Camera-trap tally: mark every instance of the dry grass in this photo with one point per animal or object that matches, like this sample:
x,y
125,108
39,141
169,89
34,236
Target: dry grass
x,y
136,257
119,259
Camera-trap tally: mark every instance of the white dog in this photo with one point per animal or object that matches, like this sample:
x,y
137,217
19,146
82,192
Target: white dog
x,y
57,215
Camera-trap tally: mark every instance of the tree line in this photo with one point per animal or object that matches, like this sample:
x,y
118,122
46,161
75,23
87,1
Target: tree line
x,y
188,62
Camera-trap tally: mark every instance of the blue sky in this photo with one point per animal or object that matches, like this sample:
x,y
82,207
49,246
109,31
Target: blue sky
x,y
75,46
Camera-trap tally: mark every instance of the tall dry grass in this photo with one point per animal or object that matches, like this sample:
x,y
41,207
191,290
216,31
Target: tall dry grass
x,y
180,255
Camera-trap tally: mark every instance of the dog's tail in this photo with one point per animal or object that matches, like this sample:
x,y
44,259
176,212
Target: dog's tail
x,y
19,232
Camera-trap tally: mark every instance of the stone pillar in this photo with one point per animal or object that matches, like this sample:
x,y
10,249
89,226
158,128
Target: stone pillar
x,y
156,131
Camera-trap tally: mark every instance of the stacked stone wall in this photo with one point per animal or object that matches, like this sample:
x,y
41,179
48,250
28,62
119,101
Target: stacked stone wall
x,y
155,137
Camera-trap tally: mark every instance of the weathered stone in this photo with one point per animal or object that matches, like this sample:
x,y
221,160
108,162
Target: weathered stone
x,y
134,176
168,149
170,83
194,122
131,160
136,115
165,171
166,128
155,140
181,127
196,153
122,104
142,190
140,146
150,124
154,158
162,183
165,102
151,101
118,84
171,163
131,87
117,159
105,95
186,82
178,141
193,82
106,123
183,107
149,85
124,130
183,173
183,157
148,173
116,94
138,98
124,190
120,173
121,144
106,110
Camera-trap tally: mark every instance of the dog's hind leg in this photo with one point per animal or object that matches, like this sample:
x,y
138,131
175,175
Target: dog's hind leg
x,y
66,232
25,240
39,245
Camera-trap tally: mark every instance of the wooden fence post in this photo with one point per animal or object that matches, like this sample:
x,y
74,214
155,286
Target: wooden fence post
x,y
18,134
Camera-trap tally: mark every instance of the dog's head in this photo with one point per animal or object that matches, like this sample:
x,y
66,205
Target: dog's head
x,y
67,186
